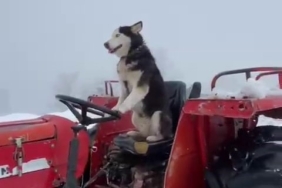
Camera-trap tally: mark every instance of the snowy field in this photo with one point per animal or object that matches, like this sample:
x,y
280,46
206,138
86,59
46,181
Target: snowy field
x,y
51,47
251,88
262,120
25,116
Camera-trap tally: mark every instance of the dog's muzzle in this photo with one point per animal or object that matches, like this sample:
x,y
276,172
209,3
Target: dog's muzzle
x,y
110,50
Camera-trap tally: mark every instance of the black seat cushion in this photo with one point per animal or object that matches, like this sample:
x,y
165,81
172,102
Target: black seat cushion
x,y
194,91
177,95
143,147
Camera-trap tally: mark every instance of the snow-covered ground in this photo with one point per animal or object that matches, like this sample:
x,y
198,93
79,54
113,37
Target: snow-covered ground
x,y
24,116
252,88
262,120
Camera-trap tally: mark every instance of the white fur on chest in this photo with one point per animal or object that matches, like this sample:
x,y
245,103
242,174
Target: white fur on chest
x,y
126,74
131,77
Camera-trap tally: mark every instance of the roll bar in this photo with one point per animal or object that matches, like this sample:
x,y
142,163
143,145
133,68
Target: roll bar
x,y
248,71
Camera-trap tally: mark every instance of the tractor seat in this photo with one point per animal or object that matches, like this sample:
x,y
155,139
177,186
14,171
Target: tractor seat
x,y
177,96
142,147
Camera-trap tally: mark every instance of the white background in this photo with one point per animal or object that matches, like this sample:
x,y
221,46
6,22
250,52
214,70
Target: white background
x,y
46,43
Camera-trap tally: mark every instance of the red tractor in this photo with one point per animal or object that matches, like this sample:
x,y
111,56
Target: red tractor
x,y
216,144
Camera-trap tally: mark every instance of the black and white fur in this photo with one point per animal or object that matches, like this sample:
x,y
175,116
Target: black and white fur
x,y
142,85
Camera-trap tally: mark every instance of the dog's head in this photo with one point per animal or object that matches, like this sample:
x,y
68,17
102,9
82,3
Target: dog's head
x,y
125,39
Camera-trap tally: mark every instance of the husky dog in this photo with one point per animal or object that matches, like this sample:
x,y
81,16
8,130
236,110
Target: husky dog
x,y
142,85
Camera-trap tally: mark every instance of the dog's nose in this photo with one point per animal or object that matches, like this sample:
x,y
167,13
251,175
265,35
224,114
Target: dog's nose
x,y
106,44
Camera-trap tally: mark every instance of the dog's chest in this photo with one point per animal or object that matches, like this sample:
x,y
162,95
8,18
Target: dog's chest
x,y
122,68
127,73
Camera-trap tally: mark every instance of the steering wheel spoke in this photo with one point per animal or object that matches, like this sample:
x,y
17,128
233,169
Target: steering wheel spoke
x,y
72,109
87,107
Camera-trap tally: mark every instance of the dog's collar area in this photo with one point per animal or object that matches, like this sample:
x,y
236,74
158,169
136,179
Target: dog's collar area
x,y
136,51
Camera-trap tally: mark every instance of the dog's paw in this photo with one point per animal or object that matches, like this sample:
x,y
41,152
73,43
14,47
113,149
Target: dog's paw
x,y
154,138
123,108
133,133
118,114
115,108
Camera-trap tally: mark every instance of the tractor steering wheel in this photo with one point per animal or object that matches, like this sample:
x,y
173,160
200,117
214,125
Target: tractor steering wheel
x,y
85,106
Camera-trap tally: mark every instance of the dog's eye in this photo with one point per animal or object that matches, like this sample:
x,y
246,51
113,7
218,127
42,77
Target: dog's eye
x,y
117,35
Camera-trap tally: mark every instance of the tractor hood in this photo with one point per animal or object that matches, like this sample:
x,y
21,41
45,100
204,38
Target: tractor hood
x,y
36,150
27,130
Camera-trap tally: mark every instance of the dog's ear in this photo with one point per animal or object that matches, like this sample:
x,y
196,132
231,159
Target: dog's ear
x,y
137,27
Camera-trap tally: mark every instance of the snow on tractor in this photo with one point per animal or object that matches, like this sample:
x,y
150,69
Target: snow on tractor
x,y
216,144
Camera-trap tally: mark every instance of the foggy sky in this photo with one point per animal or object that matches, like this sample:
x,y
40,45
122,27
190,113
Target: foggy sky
x,y
42,39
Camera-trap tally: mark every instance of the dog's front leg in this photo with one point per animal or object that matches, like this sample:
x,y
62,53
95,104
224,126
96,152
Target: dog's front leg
x,y
123,95
137,94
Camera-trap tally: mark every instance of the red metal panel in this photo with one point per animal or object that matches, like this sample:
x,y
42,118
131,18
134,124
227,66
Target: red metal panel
x,y
40,179
61,146
33,130
105,134
23,122
53,150
268,103
185,167
32,151
224,107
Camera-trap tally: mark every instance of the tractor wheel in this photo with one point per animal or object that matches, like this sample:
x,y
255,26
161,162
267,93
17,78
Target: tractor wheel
x,y
212,180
